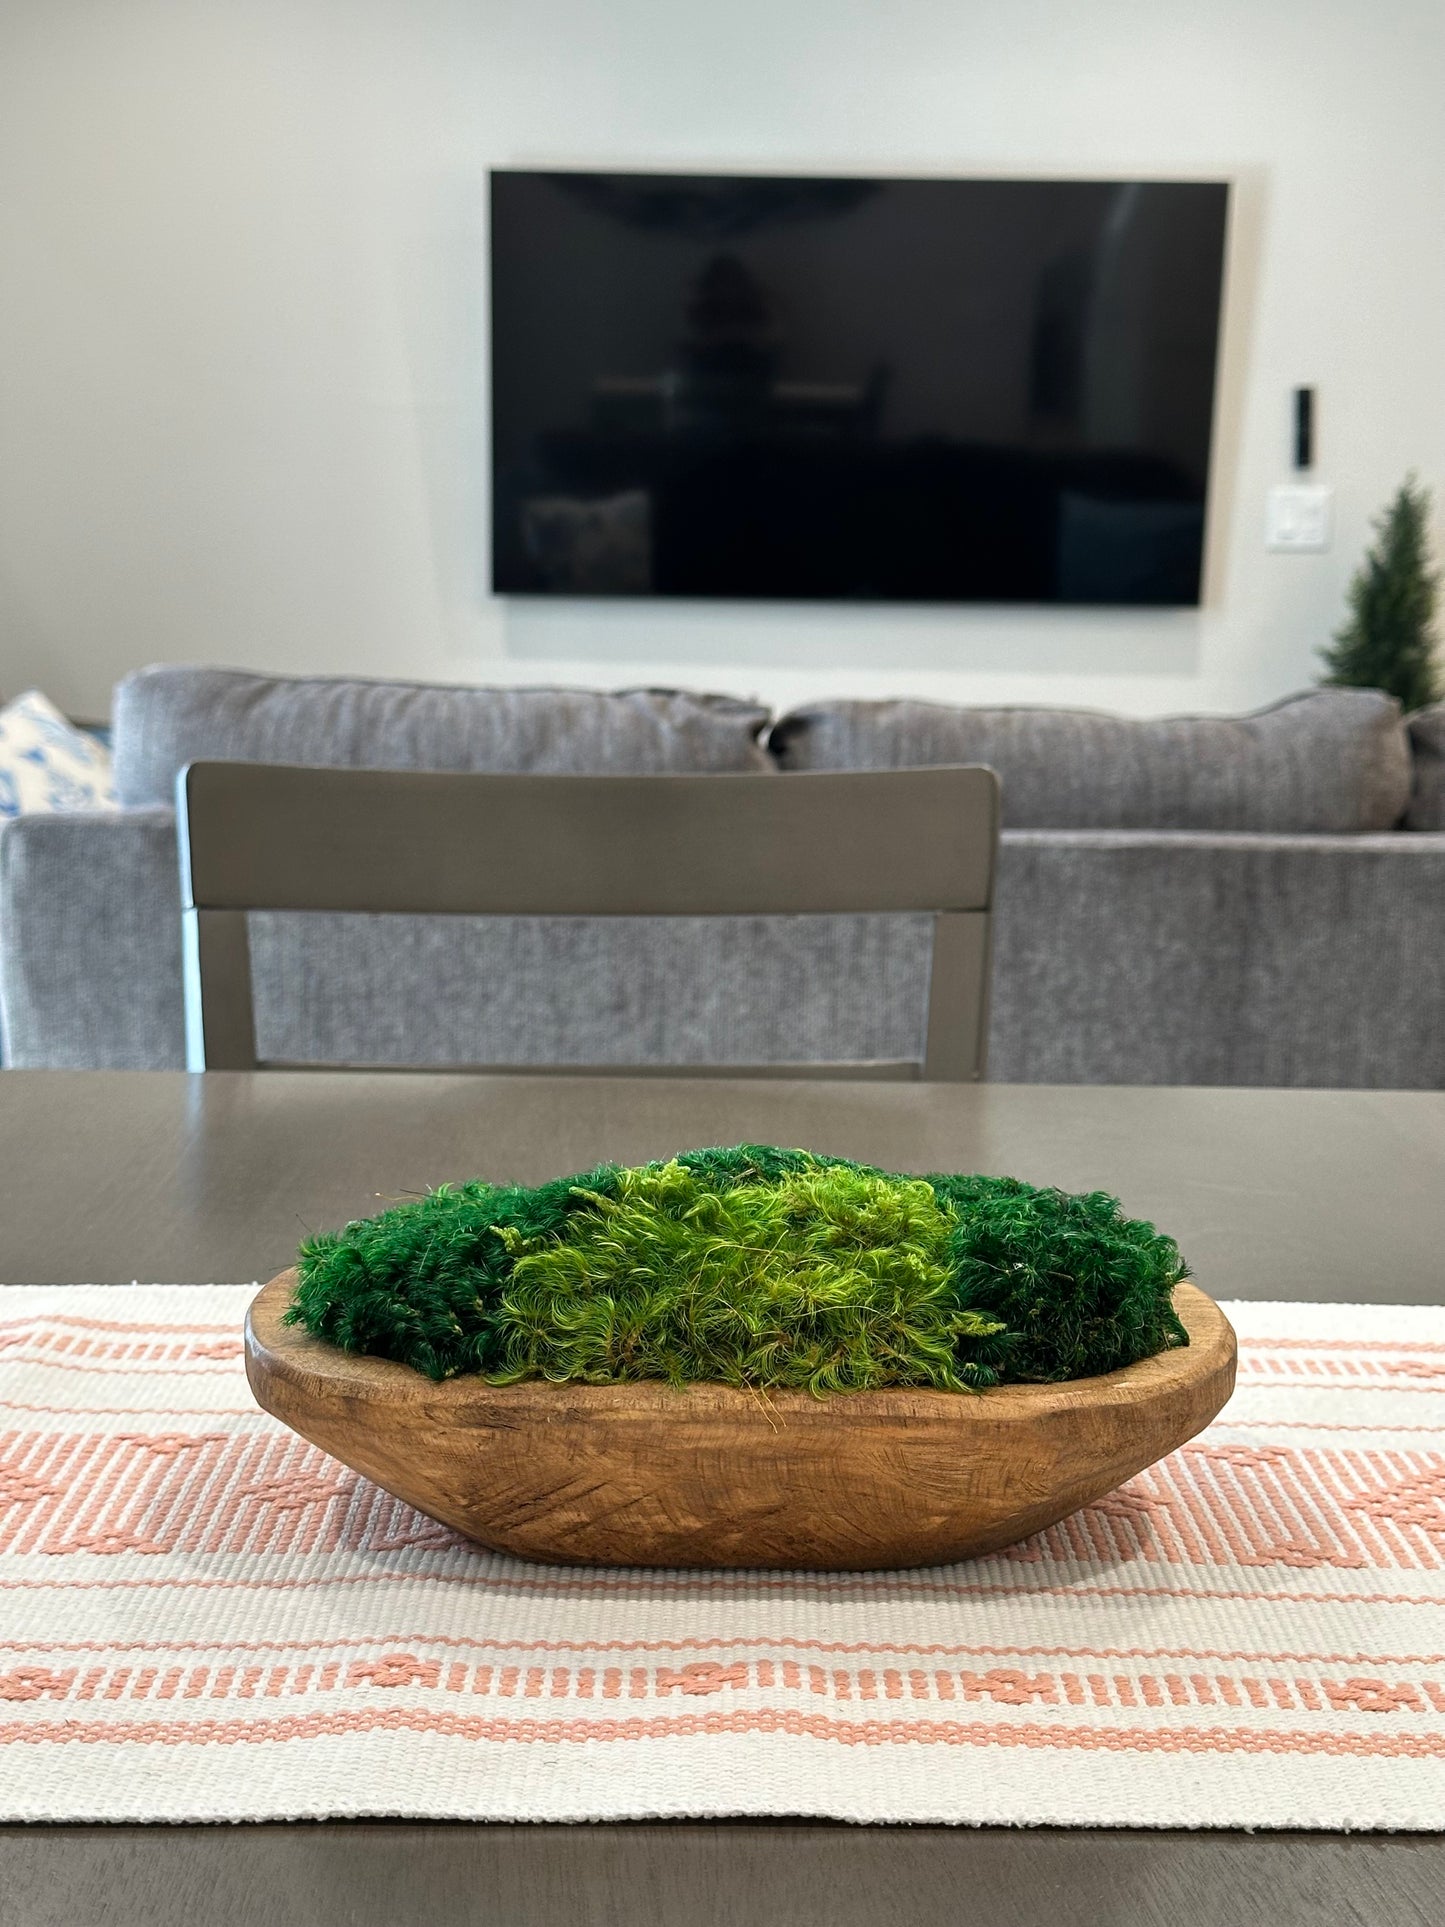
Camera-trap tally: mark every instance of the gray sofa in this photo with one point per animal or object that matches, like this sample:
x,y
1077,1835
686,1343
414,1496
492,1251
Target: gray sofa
x,y
1205,900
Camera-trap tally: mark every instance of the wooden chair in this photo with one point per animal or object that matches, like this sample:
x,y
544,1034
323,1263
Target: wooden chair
x,y
267,837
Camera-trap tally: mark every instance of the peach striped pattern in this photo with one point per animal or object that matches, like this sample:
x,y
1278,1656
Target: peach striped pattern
x,y
203,1617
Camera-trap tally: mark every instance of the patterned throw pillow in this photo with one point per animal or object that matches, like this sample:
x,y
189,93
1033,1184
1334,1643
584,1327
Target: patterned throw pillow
x,y
46,763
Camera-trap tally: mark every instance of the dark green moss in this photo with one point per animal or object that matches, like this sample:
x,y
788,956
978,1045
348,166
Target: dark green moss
x,y
421,1282
1078,1287
749,1265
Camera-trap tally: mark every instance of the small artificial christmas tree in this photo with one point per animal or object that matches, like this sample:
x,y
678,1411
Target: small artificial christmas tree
x,y
1387,642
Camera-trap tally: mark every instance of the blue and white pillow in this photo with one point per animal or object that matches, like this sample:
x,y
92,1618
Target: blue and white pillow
x,y
46,763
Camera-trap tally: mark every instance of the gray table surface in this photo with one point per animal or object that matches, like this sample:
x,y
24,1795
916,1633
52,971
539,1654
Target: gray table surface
x,y
111,1176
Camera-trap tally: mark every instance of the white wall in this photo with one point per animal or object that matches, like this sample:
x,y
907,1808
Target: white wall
x,y
242,315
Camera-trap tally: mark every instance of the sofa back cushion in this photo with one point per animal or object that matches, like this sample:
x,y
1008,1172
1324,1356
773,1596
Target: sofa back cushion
x,y
1332,761
1427,740
167,717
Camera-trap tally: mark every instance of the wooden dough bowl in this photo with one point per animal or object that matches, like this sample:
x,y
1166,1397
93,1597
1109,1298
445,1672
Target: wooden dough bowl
x,y
646,1475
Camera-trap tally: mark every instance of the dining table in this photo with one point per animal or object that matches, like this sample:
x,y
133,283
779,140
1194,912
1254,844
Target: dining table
x,y
112,1177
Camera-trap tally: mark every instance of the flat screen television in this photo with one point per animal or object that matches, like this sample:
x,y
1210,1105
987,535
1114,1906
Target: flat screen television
x,y
884,390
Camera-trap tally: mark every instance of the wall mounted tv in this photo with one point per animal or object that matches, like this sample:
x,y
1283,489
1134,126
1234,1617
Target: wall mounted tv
x,y
888,390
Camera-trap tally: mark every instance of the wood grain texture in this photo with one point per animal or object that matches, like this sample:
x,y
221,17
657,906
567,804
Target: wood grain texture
x,y
710,1874
647,1475
1335,1196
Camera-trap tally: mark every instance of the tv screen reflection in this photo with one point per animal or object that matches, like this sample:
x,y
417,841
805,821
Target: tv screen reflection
x,y
941,391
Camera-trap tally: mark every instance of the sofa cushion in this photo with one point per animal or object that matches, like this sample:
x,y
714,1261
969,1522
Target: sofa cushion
x,y
167,717
1331,761
1427,740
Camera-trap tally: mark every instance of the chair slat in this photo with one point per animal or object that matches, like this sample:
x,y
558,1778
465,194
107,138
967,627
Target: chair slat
x,y
266,837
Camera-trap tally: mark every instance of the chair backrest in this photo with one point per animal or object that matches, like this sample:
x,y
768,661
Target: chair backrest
x,y
269,837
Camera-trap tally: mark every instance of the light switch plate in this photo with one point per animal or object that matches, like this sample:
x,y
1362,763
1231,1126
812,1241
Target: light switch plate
x,y
1298,517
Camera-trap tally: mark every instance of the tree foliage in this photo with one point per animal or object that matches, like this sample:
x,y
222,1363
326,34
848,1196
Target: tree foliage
x,y
1388,641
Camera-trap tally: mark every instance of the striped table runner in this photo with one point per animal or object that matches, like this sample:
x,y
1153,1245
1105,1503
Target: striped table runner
x,y
204,1618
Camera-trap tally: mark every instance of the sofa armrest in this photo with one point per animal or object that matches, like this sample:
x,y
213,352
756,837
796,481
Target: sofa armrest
x,y
1183,957
90,942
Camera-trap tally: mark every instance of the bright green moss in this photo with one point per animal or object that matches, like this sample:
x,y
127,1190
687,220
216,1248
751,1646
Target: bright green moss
x,y
749,1265
829,1277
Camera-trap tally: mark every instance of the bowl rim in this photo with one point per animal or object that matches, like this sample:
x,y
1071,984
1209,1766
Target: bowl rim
x,y
291,1354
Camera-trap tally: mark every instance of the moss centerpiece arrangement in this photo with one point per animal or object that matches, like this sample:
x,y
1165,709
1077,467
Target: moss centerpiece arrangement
x,y
749,1266
743,1357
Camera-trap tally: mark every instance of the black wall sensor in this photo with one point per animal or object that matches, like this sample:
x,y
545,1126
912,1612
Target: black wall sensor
x,y
1304,427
